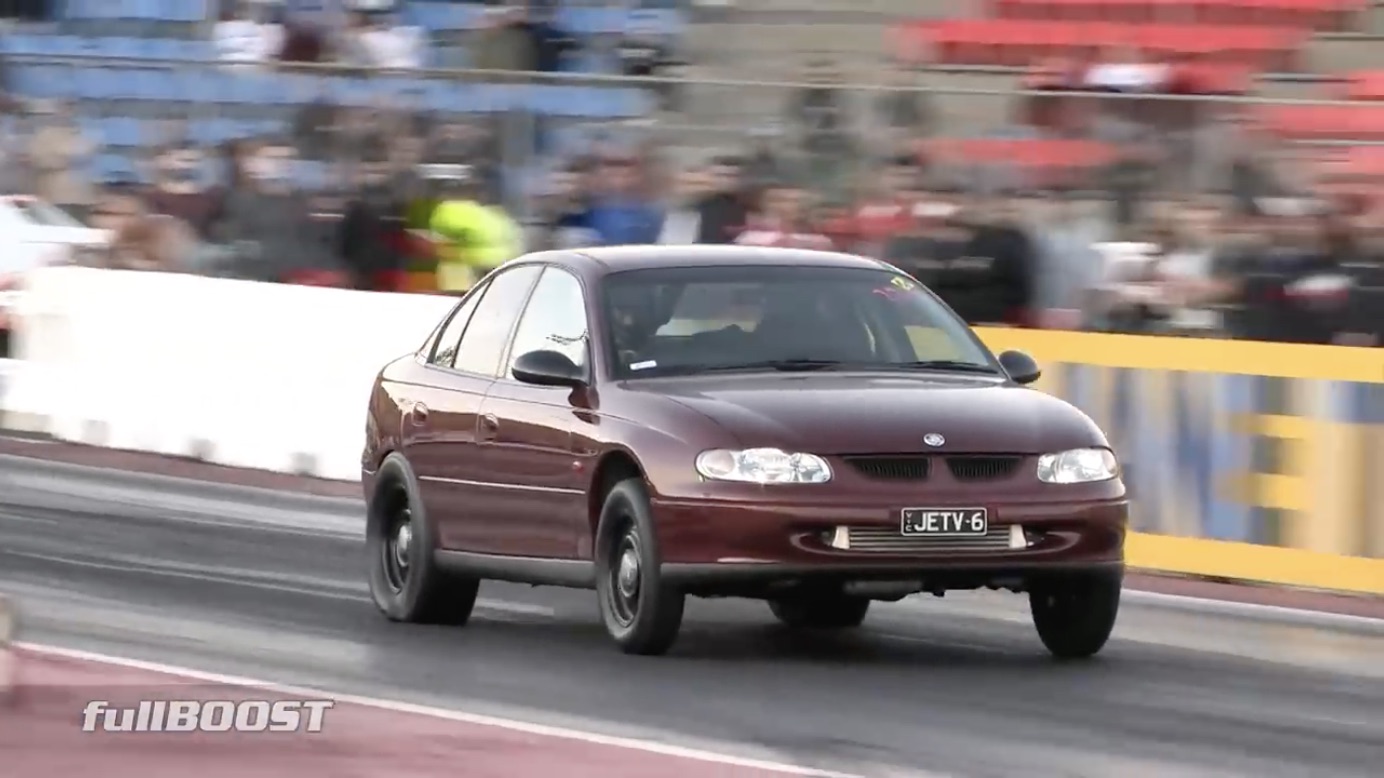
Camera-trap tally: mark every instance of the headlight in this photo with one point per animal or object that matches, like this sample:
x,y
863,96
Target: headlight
x,y
763,466
1078,466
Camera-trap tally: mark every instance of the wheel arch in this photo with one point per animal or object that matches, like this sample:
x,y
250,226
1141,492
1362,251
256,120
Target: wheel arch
x,y
613,467
393,474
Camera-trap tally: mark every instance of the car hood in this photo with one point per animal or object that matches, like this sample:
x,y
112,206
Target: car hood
x,y
832,413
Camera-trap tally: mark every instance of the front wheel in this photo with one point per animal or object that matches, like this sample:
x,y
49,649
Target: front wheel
x,y
827,611
641,613
1075,614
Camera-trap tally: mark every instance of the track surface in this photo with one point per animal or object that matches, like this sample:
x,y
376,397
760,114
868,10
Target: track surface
x,y
269,585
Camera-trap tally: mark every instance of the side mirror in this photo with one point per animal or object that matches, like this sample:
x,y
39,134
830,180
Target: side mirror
x,y
1020,367
548,368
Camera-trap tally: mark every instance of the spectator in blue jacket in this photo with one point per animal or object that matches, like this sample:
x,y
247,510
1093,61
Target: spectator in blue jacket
x,y
620,212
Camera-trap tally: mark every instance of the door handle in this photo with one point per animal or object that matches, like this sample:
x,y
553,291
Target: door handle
x,y
490,426
418,413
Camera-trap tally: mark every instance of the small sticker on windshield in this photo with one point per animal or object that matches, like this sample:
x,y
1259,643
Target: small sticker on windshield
x,y
644,365
902,283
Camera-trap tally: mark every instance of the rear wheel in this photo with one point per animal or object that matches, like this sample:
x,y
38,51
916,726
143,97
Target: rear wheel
x,y
828,610
405,580
641,613
1075,614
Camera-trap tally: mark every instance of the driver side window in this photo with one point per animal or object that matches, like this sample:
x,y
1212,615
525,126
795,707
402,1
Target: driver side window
x,y
555,319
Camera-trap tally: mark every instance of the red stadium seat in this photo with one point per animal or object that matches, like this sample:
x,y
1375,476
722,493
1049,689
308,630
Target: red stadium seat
x,y
1300,14
1354,164
1365,85
1021,42
1320,122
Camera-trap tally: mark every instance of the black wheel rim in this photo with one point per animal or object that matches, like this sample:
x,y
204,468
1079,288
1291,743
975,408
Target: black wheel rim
x,y
396,552
625,577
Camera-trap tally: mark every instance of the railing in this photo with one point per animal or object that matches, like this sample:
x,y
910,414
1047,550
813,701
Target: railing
x,y
541,115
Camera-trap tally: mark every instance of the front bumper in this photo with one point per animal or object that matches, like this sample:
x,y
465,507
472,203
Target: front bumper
x,y
704,540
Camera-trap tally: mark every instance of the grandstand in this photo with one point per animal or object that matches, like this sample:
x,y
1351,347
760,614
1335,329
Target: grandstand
x,y
127,60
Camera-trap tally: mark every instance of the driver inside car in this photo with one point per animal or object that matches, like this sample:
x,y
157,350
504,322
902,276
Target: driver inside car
x,y
817,328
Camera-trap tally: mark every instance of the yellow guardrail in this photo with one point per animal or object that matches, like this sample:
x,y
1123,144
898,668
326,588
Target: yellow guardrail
x,y
1245,460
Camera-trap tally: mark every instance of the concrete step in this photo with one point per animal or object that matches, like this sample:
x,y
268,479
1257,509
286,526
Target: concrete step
x,y
1339,54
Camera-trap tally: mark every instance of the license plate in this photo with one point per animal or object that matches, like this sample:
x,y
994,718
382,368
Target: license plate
x,y
944,521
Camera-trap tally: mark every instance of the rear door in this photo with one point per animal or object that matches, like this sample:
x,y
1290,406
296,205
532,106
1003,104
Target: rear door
x,y
535,441
439,420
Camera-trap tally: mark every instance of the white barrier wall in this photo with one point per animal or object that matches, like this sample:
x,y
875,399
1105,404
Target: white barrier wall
x,y
268,376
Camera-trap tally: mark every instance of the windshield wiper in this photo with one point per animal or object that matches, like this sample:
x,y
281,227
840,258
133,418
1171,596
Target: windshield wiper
x,y
948,364
808,365
784,365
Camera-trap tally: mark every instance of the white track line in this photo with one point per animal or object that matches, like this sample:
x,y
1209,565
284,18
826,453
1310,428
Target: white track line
x,y
514,725
1254,610
521,608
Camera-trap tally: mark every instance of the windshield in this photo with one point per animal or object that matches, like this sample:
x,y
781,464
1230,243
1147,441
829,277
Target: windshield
x,y
680,321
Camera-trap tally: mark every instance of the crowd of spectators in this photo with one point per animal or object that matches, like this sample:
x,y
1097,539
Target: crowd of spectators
x,y
508,35
1154,239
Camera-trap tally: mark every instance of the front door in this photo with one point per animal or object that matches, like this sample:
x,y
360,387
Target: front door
x,y
532,437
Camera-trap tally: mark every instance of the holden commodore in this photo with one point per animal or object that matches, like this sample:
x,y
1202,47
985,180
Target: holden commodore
x,y
815,430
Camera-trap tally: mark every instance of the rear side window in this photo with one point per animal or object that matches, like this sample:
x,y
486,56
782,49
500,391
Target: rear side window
x,y
444,349
484,341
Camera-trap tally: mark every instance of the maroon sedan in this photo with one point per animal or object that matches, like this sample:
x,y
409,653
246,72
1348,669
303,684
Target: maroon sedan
x,y
816,430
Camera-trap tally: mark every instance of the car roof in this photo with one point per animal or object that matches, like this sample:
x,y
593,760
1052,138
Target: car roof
x,y
612,259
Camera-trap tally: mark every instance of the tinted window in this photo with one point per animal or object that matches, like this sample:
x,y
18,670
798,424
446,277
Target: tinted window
x,y
484,340
685,320
554,320
445,348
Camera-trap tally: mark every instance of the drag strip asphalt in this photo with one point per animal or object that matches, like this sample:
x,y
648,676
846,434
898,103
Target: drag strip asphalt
x,y
270,585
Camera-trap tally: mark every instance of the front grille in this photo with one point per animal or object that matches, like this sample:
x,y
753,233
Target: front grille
x,y
889,540
982,468
889,467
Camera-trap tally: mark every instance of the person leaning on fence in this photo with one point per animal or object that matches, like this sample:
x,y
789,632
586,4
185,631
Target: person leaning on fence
x,y
472,236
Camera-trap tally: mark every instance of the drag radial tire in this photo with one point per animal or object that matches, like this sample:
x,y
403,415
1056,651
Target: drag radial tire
x,y
825,610
405,581
1074,614
641,613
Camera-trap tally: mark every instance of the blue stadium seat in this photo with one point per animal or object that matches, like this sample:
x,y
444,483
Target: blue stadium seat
x,y
121,48
42,80
443,16
125,132
181,10
149,83
594,21
57,45
110,167
199,50
86,9
173,85
147,10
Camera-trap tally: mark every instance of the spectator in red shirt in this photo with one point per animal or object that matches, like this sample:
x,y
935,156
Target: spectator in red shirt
x,y
888,211
781,221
